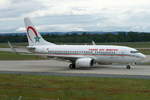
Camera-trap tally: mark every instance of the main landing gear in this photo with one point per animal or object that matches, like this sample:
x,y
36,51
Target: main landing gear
x,y
128,67
72,66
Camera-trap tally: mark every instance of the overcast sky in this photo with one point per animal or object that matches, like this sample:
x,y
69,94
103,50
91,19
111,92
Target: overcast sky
x,y
76,15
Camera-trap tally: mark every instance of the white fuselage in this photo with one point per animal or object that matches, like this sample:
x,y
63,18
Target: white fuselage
x,y
100,53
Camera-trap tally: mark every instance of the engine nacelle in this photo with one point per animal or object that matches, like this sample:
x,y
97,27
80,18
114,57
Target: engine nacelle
x,y
84,62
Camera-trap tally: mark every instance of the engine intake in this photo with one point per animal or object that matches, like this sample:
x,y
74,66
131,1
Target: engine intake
x,y
84,62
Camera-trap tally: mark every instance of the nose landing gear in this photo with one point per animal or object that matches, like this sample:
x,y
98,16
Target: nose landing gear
x,y
128,67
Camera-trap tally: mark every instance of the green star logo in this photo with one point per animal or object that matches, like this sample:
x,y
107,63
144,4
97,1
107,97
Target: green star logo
x,y
37,39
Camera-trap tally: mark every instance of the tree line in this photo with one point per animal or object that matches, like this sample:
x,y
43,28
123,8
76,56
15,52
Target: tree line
x,y
83,37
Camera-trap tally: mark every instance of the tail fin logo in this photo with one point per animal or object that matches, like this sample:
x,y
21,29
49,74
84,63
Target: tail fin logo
x,y
37,38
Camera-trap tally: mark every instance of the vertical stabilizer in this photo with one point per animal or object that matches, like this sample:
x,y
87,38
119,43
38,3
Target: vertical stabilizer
x,y
34,37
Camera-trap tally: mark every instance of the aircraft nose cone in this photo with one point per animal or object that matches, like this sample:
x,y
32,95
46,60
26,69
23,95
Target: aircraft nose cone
x,y
143,56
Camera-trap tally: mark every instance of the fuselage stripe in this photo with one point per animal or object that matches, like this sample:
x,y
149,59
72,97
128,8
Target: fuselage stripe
x,y
90,54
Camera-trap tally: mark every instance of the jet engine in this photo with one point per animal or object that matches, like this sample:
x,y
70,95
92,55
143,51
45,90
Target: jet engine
x,y
84,62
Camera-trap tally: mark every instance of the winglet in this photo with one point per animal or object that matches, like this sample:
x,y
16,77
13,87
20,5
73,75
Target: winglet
x,y
12,48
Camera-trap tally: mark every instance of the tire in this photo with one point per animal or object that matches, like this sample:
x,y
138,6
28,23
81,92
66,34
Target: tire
x,y
72,66
128,67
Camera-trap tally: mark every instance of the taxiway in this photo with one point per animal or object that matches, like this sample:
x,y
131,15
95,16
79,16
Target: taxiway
x,y
53,67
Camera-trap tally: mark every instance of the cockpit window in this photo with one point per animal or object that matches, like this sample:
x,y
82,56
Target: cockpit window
x,y
134,51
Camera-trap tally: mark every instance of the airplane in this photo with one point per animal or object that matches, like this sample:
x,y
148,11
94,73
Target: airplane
x,y
81,55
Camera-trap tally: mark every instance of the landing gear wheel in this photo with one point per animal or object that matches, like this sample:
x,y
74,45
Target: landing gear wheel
x,y
128,67
72,66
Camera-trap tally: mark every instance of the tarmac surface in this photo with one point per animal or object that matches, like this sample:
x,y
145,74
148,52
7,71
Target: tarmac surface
x,y
60,68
